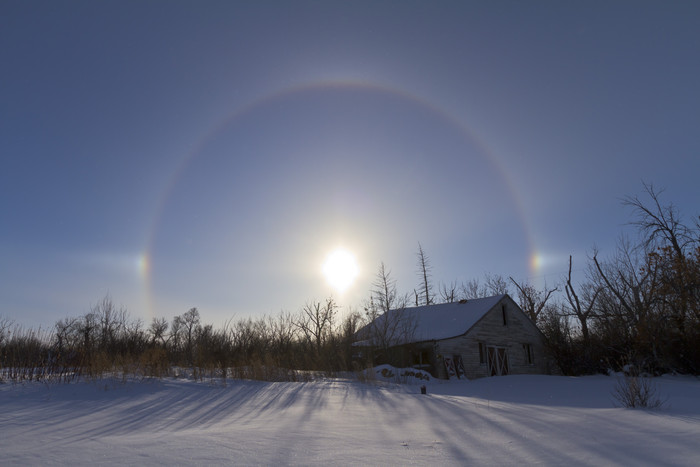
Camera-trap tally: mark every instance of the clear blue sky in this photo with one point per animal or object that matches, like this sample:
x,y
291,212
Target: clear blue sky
x,y
178,153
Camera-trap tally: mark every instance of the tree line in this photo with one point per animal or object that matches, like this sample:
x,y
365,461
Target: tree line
x,y
639,308
107,340
636,310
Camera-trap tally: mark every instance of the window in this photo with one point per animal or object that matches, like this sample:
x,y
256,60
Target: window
x,y
503,311
421,359
529,357
482,354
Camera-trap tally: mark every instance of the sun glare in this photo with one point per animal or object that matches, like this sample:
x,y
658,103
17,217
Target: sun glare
x,y
340,269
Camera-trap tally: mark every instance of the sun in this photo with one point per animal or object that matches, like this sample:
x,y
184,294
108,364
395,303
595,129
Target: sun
x,y
340,269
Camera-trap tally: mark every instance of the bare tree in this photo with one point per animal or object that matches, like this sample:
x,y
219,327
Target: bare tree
x,y
660,225
471,290
389,321
626,304
448,293
175,338
87,327
532,301
496,285
581,307
67,338
157,330
350,325
628,281
282,332
188,325
347,335
111,322
316,321
384,293
391,328
5,325
671,247
133,337
242,335
424,294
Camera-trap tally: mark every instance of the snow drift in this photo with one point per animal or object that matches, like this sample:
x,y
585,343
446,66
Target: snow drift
x,y
511,420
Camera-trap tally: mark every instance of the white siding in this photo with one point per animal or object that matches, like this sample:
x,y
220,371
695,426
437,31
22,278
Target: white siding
x,y
491,331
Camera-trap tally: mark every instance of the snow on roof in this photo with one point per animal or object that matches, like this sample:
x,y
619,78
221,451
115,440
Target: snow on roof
x,y
450,319
434,322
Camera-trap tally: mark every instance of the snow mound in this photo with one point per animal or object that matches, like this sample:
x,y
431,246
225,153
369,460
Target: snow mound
x,y
390,374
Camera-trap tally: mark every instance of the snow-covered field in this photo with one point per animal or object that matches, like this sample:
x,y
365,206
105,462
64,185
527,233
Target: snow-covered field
x,y
511,420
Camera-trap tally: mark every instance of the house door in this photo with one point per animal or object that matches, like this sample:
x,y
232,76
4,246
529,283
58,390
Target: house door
x,y
498,361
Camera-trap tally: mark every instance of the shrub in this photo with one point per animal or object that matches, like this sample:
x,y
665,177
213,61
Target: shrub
x,y
637,391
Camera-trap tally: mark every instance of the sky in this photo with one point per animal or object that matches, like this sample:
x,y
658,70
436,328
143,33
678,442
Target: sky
x,y
211,154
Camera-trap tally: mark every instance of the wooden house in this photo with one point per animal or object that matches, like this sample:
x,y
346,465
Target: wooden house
x,y
488,336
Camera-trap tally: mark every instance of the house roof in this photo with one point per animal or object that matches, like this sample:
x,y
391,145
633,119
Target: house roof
x,y
446,320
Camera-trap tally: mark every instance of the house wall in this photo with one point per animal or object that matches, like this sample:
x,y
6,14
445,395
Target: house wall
x,y
491,331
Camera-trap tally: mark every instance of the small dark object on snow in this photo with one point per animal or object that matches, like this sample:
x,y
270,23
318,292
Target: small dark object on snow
x,y
423,389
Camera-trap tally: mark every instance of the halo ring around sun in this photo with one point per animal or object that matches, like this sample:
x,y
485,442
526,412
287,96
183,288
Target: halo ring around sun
x,y
242,111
